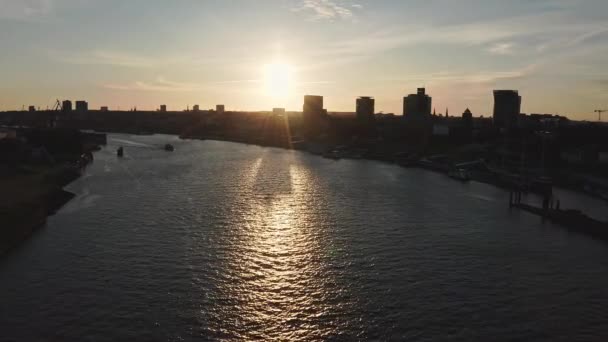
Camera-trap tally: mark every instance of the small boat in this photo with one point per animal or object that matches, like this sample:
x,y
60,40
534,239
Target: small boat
x,y
335,155
120,152
169,148
460,174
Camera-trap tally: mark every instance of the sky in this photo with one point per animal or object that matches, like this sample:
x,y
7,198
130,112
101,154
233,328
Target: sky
x,y
143,53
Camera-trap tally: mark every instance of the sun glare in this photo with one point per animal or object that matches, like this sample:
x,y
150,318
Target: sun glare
x,y
278,79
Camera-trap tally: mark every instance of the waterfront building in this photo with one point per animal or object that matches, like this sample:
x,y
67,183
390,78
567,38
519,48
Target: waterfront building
x,y
507,107
313,106
196,108
467,118
278,111
66,106
32,108
104,108
313,115
163,108
417,106
82,106
365,108
220,109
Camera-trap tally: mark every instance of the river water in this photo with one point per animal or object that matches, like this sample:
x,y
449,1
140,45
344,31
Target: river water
x,y
224,241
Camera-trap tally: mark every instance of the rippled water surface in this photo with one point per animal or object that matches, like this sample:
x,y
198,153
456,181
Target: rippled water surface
x,y
223,241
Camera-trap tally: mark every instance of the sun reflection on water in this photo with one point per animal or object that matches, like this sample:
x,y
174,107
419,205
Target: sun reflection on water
x,y
279,286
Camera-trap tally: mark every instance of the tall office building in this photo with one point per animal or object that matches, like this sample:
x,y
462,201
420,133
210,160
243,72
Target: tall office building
x,y
82,106
507,106
365,108
313,115
66,106
220,109
313,107
417,106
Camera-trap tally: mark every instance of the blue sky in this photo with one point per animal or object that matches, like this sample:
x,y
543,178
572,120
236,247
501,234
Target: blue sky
x,y
125,53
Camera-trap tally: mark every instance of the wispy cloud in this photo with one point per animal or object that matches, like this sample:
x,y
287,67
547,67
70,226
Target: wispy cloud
x,y
24,9
130,59
160,84
552,33
328,9
478,77
502,48
105,57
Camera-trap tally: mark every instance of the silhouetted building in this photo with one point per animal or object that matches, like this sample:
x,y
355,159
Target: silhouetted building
x,y
467,126
467,118
313,114
196,108
82,106
365,108
32,108
220,109
507,106
163,108
278,111
417,106
104,109
313,107
66,106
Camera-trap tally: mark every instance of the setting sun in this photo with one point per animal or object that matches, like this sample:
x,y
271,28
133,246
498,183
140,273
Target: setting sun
x,y
278,79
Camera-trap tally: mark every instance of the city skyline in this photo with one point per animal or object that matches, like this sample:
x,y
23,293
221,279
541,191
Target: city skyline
x,y
181,54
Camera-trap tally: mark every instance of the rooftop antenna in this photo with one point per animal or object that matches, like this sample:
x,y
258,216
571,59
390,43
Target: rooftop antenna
x,y
599,113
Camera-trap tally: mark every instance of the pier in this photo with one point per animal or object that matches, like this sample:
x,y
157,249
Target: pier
x,y
573,220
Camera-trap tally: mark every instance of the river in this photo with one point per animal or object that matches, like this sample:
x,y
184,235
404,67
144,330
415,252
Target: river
x,y
225,241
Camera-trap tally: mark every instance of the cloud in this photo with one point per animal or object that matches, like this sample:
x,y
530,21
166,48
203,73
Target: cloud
x,y
502,49
479,77
538,37
160,84
130,60
105,57
328,9
603,83
24,9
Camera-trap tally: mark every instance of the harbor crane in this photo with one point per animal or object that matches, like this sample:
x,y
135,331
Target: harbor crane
x,y
57,107
54,113
599,113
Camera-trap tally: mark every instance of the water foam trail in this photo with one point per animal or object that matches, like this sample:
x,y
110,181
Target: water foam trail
x,y
132,143
81,201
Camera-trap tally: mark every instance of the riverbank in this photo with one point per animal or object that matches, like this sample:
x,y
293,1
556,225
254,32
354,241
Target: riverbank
x,y
35,194
35,167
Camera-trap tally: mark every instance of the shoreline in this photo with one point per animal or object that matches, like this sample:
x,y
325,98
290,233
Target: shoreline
x,y
25,218
36,187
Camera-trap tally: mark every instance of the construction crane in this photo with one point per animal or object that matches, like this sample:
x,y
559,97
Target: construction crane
x,y
57,107
599,113
52,119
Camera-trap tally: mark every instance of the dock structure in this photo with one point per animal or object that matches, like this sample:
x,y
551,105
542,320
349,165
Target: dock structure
x,y
573,220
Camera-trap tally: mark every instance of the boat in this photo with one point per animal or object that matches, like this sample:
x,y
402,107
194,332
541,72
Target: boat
x,y
460,174
335,155
120,152
169,147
